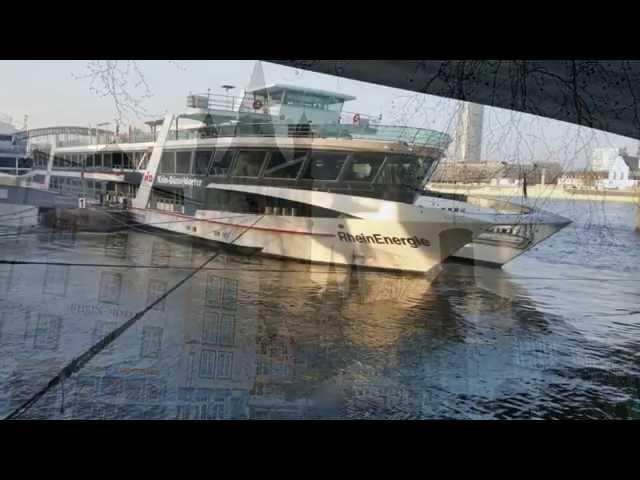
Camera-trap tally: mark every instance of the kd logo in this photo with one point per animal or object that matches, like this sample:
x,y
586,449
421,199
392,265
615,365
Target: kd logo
x,y
148,177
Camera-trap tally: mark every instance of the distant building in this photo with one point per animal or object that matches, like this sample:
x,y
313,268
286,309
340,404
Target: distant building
x,y
468,142
617,168
470,172
581,179
504,182
496,173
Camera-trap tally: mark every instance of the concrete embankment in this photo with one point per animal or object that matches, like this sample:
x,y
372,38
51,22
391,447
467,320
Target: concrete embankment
x,y
539,192
86,219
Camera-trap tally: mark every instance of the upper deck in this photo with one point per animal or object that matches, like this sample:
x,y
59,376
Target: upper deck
x,y
273,135
384,134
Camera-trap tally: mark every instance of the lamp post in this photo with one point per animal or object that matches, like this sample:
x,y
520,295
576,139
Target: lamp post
x,y
227,88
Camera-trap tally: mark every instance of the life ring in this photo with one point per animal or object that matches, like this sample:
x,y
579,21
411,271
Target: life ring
x,y
257,104
356,118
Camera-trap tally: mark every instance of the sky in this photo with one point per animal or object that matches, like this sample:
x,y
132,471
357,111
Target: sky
x,y
56,92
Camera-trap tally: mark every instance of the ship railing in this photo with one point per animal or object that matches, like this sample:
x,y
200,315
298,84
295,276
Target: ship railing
x,y
214,101
109,139
359,130
246,103
389,133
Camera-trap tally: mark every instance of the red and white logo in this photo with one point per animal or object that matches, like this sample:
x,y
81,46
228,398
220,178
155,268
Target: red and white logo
x,y
148,177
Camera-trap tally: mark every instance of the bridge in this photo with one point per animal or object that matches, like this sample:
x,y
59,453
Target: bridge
x,y
598,94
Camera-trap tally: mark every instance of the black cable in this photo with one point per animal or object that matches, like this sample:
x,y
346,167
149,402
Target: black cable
x,y
80,361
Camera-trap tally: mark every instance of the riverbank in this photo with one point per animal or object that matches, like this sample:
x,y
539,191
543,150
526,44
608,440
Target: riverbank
x,y
538,192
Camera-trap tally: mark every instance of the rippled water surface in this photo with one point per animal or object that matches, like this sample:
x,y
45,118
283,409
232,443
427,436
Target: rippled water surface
x,y
555,334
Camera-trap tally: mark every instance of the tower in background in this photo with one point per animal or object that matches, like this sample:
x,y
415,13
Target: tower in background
x,y
468,144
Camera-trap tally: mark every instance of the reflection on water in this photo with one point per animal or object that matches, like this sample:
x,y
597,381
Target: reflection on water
x,y
255,338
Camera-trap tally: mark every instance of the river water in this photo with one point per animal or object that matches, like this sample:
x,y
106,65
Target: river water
x,y
554,334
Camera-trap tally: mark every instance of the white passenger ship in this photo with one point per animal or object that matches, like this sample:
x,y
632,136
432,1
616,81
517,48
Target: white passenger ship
x,y
280,172
15,165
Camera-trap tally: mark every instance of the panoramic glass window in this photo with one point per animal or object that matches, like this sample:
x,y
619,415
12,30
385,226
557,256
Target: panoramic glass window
x,y
404,170
284,164
324,165
116,158
249,163
168,162
202,159
276,97
183,162
107,160
127,160
363,167
222,160
8,162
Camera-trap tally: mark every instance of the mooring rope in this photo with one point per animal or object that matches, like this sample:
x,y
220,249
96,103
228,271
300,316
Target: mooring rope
x,y
80,361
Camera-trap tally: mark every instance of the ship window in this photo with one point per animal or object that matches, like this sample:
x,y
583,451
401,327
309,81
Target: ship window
x,y
127,159
364,167
337,106
117,160
203,157
183,162
276,97
324,166
25,163
221,162
107,160
7,162
285,164
405,170
249,163
168,162
309,100
97,160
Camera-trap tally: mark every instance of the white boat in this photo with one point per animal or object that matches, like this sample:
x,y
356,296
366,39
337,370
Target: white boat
x,y
280,172
285,177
